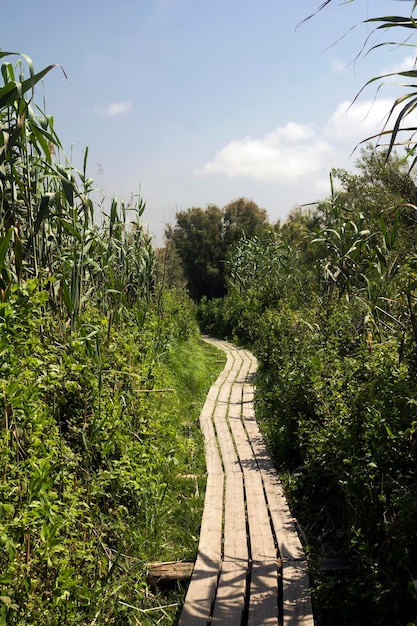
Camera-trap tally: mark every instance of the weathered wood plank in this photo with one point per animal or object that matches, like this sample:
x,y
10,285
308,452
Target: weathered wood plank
x,y
223,585
244,450
212,521
261,538
297,608
231,589
224,438
235,536
203,585
213,462
230,599
169,571
287,537
201,593
263,605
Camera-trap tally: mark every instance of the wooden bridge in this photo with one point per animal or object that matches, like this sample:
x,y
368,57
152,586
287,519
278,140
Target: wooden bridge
x,y
251,567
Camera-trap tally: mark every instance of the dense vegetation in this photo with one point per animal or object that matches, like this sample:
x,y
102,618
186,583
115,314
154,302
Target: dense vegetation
x,y
102,373
327,301
201,239
328,304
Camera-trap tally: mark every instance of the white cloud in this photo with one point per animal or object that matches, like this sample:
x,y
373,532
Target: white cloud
x,y
358,120
287,154
408,63
338,66
303,153
321,186
116,108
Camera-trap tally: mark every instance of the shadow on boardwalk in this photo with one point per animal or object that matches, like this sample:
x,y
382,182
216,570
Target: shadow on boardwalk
x,y
250,568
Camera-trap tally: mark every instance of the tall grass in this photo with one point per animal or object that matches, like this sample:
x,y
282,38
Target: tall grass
x,y
97,416
47,227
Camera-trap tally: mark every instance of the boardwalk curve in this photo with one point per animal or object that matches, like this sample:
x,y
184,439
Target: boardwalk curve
x,y
250,569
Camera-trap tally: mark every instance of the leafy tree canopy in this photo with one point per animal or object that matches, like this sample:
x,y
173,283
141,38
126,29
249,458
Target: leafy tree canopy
x,y
203,239
381,190
243,216
382,183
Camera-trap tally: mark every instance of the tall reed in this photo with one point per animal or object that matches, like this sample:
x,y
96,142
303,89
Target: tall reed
x,y
47,226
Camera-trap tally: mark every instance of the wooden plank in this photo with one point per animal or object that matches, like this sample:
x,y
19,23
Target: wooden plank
x,y
261,538
289,543
231,589
230,599
235,536
297,608
244,450
263,605
287,537
235,401
202,588
213,462
169,571
200,595
224,438
210,543
240,439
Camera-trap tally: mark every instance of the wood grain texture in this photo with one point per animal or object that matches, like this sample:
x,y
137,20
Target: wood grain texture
x,y
247,528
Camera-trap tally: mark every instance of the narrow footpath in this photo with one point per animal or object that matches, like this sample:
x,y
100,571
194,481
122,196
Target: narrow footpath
x,y
251,569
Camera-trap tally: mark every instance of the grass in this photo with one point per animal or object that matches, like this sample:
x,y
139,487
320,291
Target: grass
x,y
102,377
100,471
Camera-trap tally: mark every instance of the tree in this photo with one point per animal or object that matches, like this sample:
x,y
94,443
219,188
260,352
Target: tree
x,y
243,216
381,189
197,237
382,181
203,240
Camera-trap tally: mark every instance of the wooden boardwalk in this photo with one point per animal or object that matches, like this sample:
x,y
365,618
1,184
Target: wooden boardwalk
x,y
250,568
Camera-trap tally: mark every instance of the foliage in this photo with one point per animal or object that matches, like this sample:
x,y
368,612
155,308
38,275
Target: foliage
x,y
102,374
47,228
328,304
204,239
198,241
399,127
382,189
338,415
263,272
94,455
243,217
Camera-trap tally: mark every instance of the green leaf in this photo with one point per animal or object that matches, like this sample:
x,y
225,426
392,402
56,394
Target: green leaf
x,y
67,184
66,297
4,245
15,91
71,229
43,211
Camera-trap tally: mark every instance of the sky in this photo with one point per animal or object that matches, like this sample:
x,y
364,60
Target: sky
x,y
197,102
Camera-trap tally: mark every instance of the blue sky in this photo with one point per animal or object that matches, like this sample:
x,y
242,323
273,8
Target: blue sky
x,y
197,102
